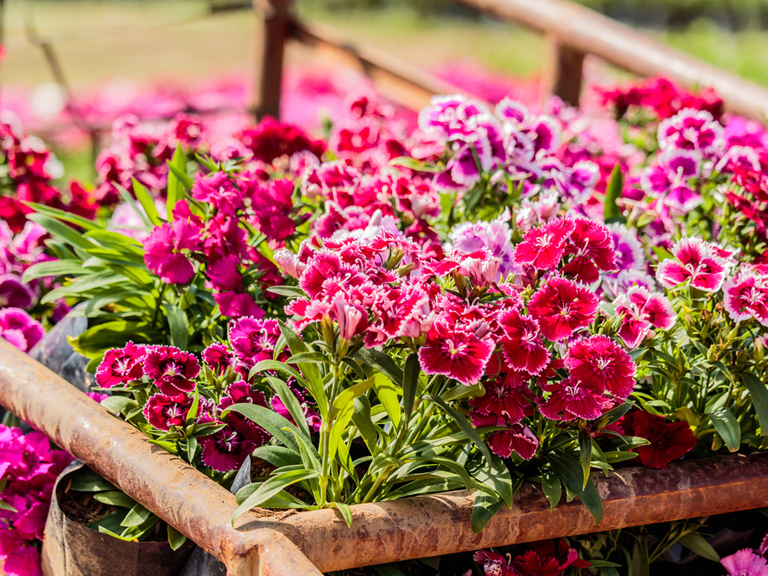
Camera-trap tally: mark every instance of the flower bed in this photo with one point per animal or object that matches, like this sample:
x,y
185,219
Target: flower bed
x,y
494,298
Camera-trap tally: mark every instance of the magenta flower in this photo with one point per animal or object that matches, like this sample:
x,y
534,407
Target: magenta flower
x,y
14,293
218,358
237,305
745,563
569,400
508,398
219,191
562,307
694,130
543,247
19,556
516,438
163,251
163,411
746,296
669,180
591,246
456,353
253,340
640,310
121,366
521,344
696,261
629,251
20,329
272,206
172,370
225,450
600,364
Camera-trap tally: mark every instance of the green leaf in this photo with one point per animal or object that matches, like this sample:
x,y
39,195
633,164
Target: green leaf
x,y
759,394
177,171
611,211
118,404
381,362
55,268
84,223
346,511
287,291
60,230
291,403
271,487
552,488
727,426
484,508
175,538
278,456
147,203
410,383
8,507
314,381
570,473
697,544
178,324
465,426
88,481
413,164
136,516
268,419
585,455
388,396
115,498
347,396
361,416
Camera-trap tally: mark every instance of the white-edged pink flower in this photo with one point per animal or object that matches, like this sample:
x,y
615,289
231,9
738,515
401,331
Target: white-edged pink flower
x,y
641,311
694,260
692,129
669,179
746,296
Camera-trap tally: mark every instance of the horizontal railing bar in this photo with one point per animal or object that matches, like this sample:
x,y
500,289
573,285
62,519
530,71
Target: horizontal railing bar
x,y
592,33
394,78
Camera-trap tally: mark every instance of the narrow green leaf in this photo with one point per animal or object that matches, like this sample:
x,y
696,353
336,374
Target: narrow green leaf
x,y
552,488
115,498
759,394
118,404
291,403
585,455
88,481
345,510
83,223
381,362
697,544
278,456
465,426
347,396
570,473
388,396
410,383
272,487
147,203
727,426
361,416
8,507
611,211
55,268
136,516
177,170
60,230
178,324
270,420
175,538
314,380
484,508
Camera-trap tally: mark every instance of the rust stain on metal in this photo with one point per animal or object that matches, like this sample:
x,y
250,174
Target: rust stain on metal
x,y
308,543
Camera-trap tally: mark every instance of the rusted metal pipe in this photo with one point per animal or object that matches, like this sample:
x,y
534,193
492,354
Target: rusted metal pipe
x,y
307,543
589,32
398,80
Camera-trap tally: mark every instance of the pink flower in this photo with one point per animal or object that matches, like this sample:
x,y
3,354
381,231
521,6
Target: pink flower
x,y
600,364
237,305
507,398
13,293
543,247
521,344
172,370
746,296
516,438
562,307
456,353
696,261
694,130
640,310
570,399
272,206
163,251
591,246
163,411
225,450
20,329
121,366
745,563
218,358
253,340
669,179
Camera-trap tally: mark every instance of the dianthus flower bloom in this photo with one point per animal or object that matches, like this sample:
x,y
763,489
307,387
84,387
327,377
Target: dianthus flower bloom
x,y
601,364
591,247
121,366
694,260
521,343
455,352
172,370
562,307
693,130
745,563
163,411
570,399
543,247
668,440
14,293
669,179
218,358
20,329
271,139
746,296
163,251
253,340
641,310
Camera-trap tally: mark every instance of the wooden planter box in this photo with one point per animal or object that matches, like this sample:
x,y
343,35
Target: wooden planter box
x,y
309,543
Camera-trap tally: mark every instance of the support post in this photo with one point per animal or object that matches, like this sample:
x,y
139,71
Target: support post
x,y
565,72
271,34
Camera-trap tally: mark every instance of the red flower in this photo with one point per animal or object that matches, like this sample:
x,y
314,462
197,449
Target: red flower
x,y
521,343
272,139
164,411
668,440
543,247
600,364
121,366
171,369
569,400
561,307
506,397
591,245
456,353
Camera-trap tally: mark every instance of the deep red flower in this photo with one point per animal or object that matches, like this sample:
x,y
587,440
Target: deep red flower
x,y
543,247
562,307
163,411
456,353
601,364
668,440
506,397
591,247
121,366
521,342
172,370
271,139
570,399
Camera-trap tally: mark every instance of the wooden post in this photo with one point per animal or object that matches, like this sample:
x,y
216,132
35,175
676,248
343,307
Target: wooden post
x,y
565,73
271,34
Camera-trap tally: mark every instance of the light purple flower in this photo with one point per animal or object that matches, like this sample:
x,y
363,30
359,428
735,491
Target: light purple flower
x,y
494,236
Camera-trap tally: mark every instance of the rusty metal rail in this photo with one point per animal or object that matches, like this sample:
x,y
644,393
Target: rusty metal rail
x,y
574,32
308,543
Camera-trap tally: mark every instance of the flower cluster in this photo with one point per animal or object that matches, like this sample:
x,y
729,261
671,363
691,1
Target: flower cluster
x,y
28,470
546,557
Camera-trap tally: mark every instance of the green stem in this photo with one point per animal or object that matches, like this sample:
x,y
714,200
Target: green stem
x,y
325,437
